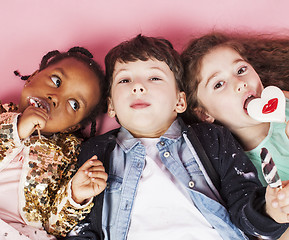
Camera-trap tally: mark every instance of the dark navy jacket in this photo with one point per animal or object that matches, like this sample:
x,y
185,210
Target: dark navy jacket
x,y
215,147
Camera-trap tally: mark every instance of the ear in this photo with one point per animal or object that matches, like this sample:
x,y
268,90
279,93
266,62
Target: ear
x,y
71,129
203,115
110,108
181,105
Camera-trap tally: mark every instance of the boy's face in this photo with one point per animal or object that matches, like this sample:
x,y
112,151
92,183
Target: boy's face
x,y
227,82
144,97
68,90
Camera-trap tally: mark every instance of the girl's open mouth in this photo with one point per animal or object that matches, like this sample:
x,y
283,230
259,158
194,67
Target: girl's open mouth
x,y
249,99
39,103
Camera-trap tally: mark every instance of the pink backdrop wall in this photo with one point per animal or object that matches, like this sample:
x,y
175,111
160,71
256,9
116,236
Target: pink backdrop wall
x,y
31,28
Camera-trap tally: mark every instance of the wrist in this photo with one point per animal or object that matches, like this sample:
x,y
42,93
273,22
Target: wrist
x,y
77,199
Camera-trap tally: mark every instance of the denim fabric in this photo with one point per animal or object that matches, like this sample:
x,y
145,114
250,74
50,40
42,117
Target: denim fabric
x,y
126,165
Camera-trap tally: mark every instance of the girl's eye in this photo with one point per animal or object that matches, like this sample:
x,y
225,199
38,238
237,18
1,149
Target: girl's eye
x,y
56,80
242,70
219,84
124,81
155,79
74,104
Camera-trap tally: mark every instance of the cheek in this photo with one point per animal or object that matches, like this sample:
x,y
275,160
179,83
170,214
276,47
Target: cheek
x,y
23,100
254,77
216,105
94,101
203,98
118,96
259,83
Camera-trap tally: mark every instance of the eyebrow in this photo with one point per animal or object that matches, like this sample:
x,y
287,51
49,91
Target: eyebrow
x,y
216,73
126,69
119,71
158,68
61,71
83,101
210,78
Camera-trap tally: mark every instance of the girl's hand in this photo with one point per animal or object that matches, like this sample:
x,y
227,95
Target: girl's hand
x,y
31,118
277,202
89,181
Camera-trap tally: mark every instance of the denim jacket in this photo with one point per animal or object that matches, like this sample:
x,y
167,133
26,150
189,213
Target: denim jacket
x,y
127,160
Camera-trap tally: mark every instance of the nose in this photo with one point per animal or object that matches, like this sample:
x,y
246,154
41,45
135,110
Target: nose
x,y
53,98
241,85
138,89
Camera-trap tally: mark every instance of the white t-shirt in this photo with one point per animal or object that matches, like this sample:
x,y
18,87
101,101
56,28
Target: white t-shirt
x,y
162,208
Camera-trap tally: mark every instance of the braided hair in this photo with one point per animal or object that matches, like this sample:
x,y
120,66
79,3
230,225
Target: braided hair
x,y
85,56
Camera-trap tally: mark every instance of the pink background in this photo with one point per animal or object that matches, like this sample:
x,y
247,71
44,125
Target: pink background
x,y
31,28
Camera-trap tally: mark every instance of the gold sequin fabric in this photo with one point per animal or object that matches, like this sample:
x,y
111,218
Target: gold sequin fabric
x,y
48,165
8,107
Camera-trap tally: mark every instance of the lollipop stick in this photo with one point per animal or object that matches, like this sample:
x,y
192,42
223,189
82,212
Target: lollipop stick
x,y
38,131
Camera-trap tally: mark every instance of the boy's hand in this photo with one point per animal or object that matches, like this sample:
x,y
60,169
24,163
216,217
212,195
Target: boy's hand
x,y
89,181
31,118
277,203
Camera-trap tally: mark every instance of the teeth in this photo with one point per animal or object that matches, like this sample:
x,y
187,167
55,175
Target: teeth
x,y
35,102
249,98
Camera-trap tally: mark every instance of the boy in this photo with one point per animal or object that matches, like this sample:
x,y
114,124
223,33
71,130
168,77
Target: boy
x,y
161,184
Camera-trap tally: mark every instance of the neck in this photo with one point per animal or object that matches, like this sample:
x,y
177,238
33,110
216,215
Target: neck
x,y
251,137
139,134
150,131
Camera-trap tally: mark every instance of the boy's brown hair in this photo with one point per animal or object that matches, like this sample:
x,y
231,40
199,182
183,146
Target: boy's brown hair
x,y
144,48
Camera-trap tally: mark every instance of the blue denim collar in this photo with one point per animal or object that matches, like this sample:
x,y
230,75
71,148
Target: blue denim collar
x,y
127,142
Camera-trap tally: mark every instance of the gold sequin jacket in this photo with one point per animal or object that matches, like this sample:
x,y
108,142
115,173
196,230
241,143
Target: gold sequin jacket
x,y
48,165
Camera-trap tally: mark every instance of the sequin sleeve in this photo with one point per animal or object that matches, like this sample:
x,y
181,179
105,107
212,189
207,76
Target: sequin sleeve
x,y
68,214
51,166
10,143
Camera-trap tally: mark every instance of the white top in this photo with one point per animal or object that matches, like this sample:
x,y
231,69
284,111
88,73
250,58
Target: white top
x,y
162,208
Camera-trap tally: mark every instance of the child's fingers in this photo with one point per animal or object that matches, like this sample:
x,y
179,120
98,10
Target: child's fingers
x,y
283,201
99,181
99,184
270,191
98,175
37,116
285,184
285,209
92,162
99,168
38,111
279,197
